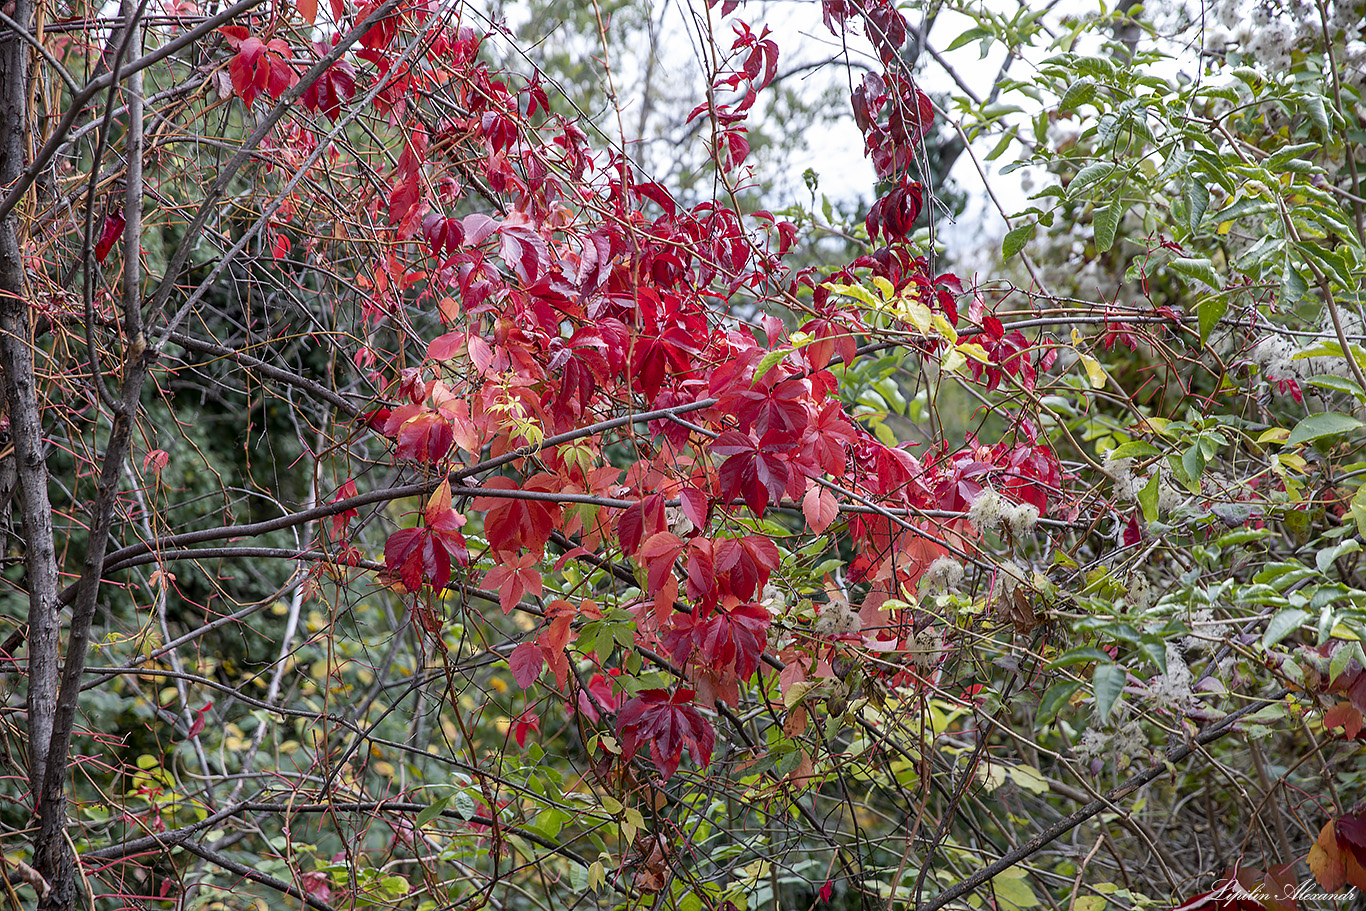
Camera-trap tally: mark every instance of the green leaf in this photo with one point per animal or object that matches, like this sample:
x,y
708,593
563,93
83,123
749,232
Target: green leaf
x,y
1313,106
431,812
967,37
1029,778
1200,269
773,357
1015,240
1108,682
1106,222
1134,449
1147,499
463,804
1341,656
1058,697
1259,252
1243,536
1197,203
1001,146
1156,652
1078,93
1325,558
1282,625
1013,893
1293,285
1084,655
1193,460
1359,510
1093,172
1210,311
1282,157
1324,424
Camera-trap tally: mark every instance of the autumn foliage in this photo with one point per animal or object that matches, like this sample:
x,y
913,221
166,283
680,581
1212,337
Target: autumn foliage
x,y
622,479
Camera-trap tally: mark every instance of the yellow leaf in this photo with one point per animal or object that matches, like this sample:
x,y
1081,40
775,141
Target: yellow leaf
x,y
1151,425
1029,778
886,287
945,328
992,775
975,351
797,692
1274,435
1094,371
917,314
953,361
1294,462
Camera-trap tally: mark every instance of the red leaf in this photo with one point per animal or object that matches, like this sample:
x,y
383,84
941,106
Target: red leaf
x,y
198,726
418,556
598,695
342,519
728,637
317,884
114,224
512,524
526,722
156,460
668,724
426,437
335,87
696,506
1343,715
757,476
820,507
743,565
446,347
512,579
658,555
524,252
526,662
701,570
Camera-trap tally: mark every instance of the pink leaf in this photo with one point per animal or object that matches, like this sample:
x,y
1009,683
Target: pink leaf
x,y
820,508
526,662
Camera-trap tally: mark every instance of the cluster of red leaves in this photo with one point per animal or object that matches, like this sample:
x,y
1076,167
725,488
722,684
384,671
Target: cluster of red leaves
x,y
335,87
594,296
669,724
894,116
1316,665
258,66
528,658
423,555
755,63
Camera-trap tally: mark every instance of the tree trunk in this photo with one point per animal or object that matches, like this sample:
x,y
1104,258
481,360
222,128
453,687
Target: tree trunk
x,y
52,858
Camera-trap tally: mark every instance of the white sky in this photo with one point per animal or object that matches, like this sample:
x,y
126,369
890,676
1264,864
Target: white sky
x,y
835,148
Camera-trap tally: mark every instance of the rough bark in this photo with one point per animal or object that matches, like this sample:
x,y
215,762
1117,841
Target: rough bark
x,y
53,862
